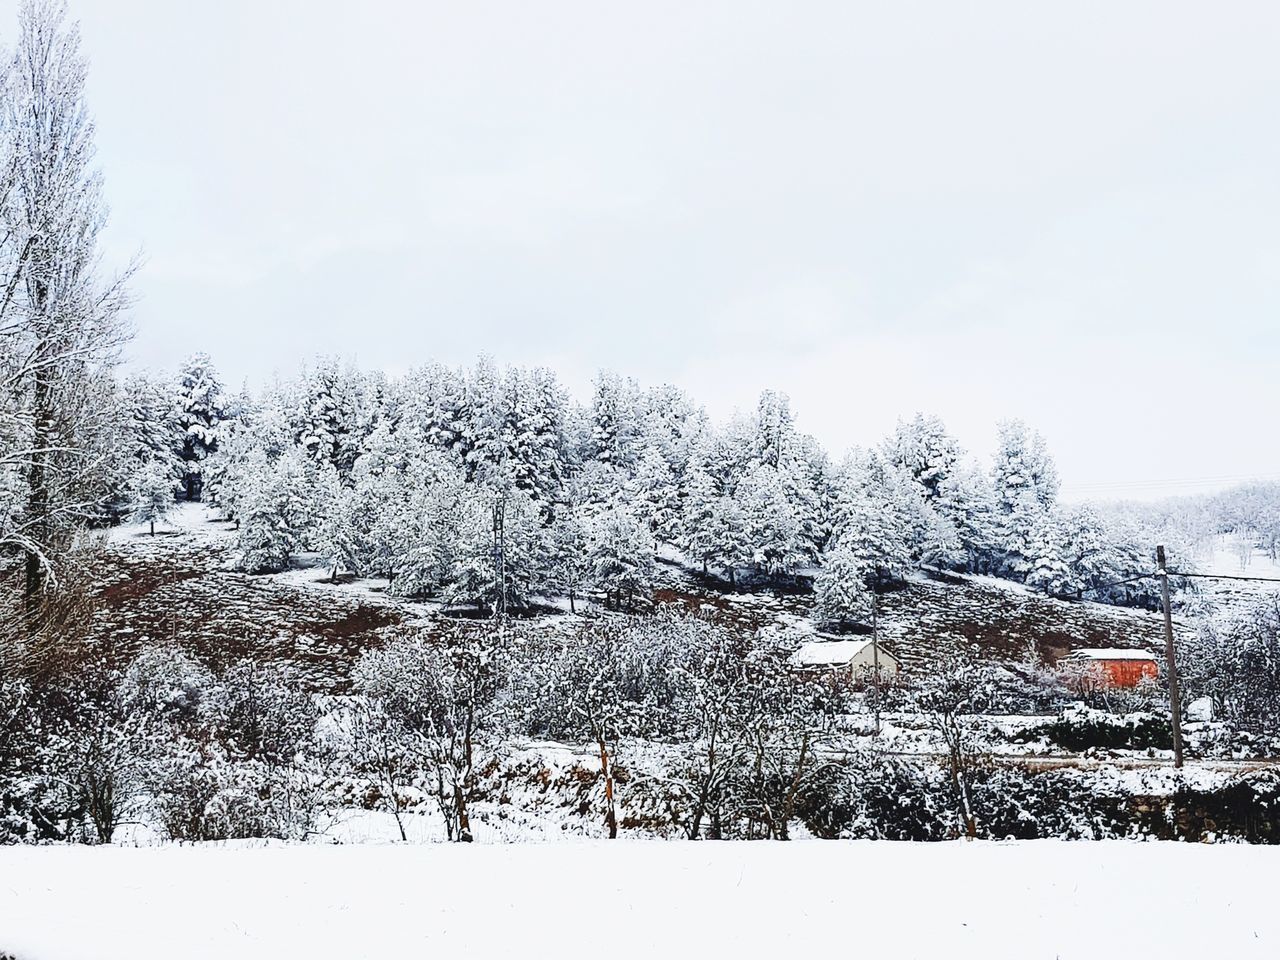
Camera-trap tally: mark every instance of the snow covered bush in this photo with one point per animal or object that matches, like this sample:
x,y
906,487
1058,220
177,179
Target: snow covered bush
x,y
20,734
872,796
97,748
198,794
1234,660
259,714
1080,728
167,684
439,702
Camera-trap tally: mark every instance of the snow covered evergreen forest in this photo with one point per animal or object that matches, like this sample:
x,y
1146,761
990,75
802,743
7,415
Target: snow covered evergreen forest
x,y
399,479
544,614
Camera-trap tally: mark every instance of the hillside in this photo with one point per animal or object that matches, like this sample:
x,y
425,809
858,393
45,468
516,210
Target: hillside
x,y
181,586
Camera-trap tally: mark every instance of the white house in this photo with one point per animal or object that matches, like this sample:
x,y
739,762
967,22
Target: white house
x,y
857,656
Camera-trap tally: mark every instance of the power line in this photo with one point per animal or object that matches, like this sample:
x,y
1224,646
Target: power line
x,y
1223,576
1170,487
1172,481
1076,595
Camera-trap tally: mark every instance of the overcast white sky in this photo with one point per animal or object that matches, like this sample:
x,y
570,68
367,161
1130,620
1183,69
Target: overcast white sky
x,y
1056,211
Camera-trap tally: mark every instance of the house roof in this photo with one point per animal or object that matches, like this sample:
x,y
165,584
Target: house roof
x,y
832,653
1109,653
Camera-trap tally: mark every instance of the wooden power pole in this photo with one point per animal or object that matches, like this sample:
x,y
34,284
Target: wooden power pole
x,y
1175,700
875,654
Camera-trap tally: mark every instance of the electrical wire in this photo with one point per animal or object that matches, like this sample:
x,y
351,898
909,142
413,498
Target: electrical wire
x,y
1076,595
1223,576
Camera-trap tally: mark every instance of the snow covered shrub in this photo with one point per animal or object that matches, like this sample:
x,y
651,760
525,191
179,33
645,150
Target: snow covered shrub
x,y
167,684
236,811
182,787
223,759
1247,808
438,700
881,797
263,770
1067,804
877,797
294,797
201,796
18,782
1081,728
97,747
261,715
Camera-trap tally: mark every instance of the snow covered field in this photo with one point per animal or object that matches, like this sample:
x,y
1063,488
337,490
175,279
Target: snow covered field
x,y
635,899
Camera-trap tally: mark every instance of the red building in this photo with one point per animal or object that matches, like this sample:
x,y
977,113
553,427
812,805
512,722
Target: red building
x,y
1114,667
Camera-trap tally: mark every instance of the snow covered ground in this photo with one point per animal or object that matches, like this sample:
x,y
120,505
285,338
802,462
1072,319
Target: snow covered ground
x,y
635,899
1225,557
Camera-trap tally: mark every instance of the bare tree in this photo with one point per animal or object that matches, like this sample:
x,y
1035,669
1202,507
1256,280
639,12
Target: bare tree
x,y
381,753
718,695
97,748
442,698
1242,546
950,697
60,323
786,723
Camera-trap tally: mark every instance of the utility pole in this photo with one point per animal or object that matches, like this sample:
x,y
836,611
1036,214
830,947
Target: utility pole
x,y
875,654
1175,701
500,557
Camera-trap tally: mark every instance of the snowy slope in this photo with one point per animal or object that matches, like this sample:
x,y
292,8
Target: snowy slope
x,y
182,585
1223,558
651,900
